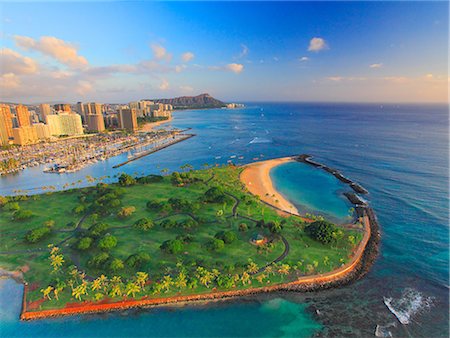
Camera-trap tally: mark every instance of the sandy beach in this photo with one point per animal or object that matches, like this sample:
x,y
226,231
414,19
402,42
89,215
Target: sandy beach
x,y
150,125
256,177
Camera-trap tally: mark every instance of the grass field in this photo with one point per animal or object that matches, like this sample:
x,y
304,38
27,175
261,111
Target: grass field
x,y
195,223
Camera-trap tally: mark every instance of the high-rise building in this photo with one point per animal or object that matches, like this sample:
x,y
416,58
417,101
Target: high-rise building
x,y
23,116
80,110
25,135
112,120
96,108
65,124
142,107
6,119
128,119
64,107
45,110
95,122
160,110
4,139
42,131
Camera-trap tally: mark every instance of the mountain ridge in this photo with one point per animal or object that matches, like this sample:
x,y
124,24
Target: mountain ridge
x,y
188,102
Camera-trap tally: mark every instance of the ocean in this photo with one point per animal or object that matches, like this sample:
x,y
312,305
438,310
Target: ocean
x,y
397,152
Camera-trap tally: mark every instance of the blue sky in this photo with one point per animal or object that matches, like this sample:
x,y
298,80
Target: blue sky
x,y
236,51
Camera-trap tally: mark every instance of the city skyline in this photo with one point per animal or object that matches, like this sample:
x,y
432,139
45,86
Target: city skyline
x,y
331,52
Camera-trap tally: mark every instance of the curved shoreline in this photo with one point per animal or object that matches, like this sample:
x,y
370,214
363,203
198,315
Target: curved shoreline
x,y
358,266
256,177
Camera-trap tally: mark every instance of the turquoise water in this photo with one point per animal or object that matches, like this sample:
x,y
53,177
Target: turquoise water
x,y
264,318
312,190
398,152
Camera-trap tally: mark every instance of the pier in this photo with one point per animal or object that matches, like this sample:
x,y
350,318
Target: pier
x,y
177,138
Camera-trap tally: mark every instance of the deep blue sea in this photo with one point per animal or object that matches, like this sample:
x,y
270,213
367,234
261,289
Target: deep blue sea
x,y
398,152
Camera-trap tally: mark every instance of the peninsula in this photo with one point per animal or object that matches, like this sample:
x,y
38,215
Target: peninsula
x,y
193,235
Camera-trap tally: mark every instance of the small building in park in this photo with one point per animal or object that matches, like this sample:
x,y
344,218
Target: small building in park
x,y
258,239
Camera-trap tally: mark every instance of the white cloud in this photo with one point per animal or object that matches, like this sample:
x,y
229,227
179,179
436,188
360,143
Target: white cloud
x,y
335,78
188,56
63,51
317,44
160,53
164,85
186,89
244,52
376,65
180,68
397,79
235,67
13,62
9,82
304,59
83,88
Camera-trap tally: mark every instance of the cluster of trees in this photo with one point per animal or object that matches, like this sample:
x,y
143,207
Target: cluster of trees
x,y
150,179
37,234
143,224
163,207
227,237
181,179
126,180
274,227
173,246
137,260
149,119
220,239
21,214
323,231
184,205
125,212
101,199
215,195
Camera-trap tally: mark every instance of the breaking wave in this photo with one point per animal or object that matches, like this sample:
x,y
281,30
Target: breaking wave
x,y
408,305
260,140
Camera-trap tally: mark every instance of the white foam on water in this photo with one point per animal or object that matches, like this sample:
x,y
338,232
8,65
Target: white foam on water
x,y
382,330
260,140
408,305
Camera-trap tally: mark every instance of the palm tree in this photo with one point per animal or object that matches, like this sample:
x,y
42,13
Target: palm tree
x,y
166,282
116,290
204,276
46,292
132,288
60,285
181,281
260,278
252,267
141,278
96,284
245,278
326,260
269,270
164,171
80,290
284,269
56,261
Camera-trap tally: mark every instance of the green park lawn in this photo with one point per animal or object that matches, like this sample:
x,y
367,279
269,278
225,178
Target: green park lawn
x,y
193,262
